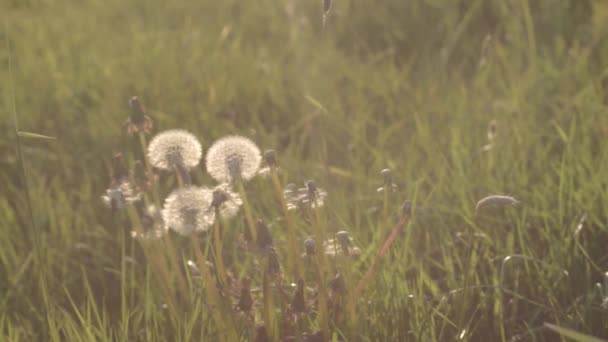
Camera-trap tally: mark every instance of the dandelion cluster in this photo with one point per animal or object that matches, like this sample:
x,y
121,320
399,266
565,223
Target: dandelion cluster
x,y
174,148
189,209
233,158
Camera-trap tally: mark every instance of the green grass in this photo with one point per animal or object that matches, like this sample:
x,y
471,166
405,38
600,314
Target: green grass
x,y
406,85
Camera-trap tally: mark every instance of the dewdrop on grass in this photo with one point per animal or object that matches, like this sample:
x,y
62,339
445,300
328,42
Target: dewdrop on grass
x,y
495,200
174,148
233,158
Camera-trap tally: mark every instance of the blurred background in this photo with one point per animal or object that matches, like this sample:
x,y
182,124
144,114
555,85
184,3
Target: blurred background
x,y
342,94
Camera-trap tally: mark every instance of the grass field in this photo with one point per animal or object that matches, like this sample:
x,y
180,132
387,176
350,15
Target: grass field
x,y
461,99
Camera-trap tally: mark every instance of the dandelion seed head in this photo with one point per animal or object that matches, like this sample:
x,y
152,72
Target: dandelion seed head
x,y
173,148
226,201
233,158
186,210
310,196
119,195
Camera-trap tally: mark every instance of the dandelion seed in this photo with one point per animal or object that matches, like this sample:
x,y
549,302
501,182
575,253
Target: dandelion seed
x,y
152,224
173,149
186,210
233,158
495,200
310,196
225,201
119,195
138,121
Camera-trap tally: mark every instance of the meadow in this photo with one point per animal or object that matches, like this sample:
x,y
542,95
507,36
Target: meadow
x,y
406,113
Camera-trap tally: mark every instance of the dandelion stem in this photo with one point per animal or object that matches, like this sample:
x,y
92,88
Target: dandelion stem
x,y
322,267
217,239
158,263
183,176
292,250
247,209
143,143
214,297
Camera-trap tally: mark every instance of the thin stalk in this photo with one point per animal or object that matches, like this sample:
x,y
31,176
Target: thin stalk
x,y
247,209
292,246
183,176
322,268
217,244
158,262
35,238
224,320
143,143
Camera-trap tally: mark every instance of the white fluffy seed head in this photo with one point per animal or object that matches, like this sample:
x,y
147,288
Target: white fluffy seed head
x,y
120,195
186,210
173,147
232,158
227,201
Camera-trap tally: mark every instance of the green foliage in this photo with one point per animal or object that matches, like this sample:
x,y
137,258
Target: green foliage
x,y
408,85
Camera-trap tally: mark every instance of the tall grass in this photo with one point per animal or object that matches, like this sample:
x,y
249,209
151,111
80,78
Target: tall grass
x,y
405,85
